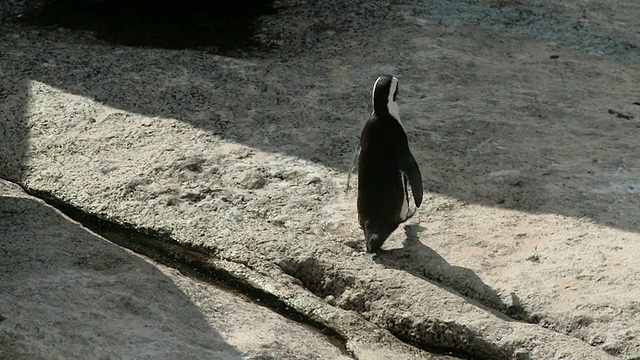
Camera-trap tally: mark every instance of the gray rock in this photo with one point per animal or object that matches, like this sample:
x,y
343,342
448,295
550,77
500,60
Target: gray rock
x,y
68,293
525,245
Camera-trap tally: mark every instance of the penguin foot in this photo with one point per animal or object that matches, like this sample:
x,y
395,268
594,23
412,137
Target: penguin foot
x,y
374,243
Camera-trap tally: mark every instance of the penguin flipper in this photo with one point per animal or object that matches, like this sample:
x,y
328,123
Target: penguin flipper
x,y
356,154
409,167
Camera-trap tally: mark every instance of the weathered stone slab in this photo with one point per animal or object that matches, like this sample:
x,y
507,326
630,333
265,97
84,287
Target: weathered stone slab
x,y
66,293
523,118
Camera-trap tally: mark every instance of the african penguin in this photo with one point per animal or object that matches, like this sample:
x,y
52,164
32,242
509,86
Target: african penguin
x,y
385,168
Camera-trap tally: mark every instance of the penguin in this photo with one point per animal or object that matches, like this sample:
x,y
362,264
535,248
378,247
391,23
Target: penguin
x,y
386,168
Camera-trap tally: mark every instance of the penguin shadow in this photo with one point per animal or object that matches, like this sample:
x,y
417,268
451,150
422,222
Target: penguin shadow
x,y
423,262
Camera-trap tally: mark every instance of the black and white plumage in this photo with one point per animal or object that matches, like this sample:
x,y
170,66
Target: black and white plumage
x,y
386,168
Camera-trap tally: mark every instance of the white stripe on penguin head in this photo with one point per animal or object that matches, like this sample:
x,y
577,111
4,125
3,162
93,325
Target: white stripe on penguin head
x,y
373,93
392,105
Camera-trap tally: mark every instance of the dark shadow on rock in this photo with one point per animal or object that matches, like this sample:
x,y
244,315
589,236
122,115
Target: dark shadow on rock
x,y
66,293
14,134
421,261
220,27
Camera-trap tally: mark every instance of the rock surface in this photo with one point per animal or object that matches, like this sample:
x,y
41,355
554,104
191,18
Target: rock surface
x,y
66,293
522,117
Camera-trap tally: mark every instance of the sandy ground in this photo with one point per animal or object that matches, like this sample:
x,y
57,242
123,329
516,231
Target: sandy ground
x,y
521,116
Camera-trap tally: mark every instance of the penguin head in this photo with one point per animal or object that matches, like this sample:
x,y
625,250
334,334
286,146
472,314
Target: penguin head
x,y
385,92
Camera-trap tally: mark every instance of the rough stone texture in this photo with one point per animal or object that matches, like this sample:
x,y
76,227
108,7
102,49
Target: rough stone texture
x,y
66,293
13,9
522,117
16,9
10,9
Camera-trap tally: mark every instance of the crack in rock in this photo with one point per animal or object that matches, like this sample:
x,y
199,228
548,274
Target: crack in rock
x,y
349,293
